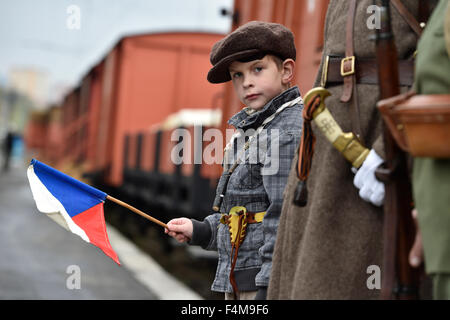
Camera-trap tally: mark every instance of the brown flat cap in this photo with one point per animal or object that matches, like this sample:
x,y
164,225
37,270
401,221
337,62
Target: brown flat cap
x,y
247,40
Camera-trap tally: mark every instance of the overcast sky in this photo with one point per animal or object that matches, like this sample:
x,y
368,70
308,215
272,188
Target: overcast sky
x,y
36,33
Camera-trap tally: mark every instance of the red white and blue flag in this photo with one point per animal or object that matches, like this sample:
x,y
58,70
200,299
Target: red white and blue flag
x,y
73,204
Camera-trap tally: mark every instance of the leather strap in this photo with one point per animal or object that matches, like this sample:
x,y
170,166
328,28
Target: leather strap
x,y
348,71
234,253
349,52
366,72
407,16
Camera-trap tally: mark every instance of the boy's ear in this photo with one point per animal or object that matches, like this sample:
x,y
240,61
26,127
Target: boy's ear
x,y
288,71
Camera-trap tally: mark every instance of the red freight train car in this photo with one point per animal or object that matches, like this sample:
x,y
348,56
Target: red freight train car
x,y
146,78
142,80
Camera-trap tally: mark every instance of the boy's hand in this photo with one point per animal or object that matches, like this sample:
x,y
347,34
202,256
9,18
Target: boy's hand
x,y
180,229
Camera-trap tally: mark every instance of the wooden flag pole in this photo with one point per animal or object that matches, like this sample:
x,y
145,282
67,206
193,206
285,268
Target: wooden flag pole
x,y
139,212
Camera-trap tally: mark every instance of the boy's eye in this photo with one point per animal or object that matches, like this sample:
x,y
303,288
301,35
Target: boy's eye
x,y
258,69
236,75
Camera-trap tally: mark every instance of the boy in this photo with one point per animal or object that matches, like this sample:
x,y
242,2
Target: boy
x,y
259,59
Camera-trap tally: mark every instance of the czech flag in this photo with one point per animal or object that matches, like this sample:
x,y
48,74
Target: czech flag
x,y
74,205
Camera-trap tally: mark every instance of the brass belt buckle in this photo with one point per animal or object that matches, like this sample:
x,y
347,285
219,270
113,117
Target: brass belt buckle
x,y
352,69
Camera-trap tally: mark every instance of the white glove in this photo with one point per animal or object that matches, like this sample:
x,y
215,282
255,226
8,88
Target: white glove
x,y
370,189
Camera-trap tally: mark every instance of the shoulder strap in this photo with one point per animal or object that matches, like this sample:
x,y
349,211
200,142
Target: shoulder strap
x,y
408,17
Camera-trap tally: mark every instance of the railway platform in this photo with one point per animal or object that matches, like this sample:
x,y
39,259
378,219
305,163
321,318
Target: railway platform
x,y
41,260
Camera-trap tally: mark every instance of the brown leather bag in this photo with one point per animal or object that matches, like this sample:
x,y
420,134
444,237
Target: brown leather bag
x,y
420,124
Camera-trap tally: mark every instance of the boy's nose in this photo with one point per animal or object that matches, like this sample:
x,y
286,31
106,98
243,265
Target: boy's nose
x,y
248,82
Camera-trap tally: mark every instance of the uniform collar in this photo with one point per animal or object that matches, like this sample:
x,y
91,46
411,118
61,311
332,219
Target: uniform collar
x,y
248,118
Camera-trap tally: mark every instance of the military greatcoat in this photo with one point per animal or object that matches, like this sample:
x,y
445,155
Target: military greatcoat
x,y
325,250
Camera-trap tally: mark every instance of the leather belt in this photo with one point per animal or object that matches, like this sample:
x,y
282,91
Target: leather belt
x,y
366,72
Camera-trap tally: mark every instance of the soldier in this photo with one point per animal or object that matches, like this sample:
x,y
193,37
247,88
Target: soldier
x,y
325,249
431,177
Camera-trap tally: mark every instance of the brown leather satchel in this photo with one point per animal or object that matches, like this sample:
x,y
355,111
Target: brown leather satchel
x,y
420,124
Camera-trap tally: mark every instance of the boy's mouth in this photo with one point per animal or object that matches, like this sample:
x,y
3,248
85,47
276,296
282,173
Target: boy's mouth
x,y
252,96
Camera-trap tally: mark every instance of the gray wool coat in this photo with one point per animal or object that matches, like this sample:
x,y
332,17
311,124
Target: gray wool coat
x,y
324,250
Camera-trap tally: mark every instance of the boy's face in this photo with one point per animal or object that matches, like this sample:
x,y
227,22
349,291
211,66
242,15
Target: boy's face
x,y
257,82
